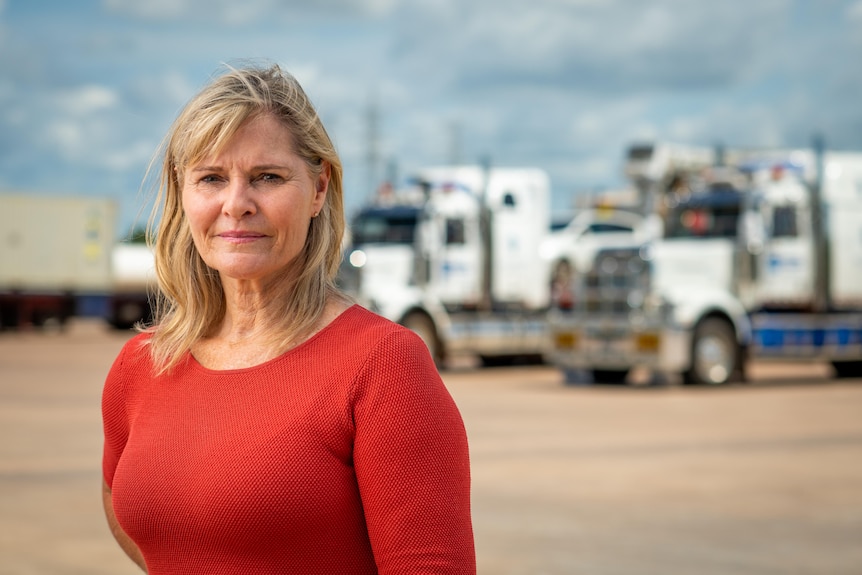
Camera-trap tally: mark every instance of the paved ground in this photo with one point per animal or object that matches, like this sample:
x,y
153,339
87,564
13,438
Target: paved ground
x,y
760,479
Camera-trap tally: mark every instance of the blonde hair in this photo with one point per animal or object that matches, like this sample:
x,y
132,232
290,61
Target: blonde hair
x,y
190,303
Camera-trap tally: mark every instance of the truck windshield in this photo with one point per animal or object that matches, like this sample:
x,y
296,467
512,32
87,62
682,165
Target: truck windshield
x,y
385,226
710,215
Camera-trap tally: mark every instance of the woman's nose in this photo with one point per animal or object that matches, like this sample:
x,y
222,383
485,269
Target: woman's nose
x,y
239,199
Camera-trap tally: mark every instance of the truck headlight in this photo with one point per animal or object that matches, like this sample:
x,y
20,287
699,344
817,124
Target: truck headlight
x,y
357,258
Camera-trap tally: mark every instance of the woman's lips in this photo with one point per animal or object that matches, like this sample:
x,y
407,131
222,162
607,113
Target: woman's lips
x,y
239,236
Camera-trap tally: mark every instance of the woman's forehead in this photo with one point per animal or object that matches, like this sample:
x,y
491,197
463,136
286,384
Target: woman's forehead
x,y
265,141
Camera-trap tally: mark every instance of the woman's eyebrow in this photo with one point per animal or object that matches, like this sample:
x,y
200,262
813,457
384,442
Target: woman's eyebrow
x,y
204,169
264,167
260,168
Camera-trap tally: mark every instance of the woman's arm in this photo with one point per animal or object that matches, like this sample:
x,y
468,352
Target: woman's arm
x,y
412,463
124,540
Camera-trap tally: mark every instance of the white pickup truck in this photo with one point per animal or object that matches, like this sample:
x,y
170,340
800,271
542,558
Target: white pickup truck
x,y
572,249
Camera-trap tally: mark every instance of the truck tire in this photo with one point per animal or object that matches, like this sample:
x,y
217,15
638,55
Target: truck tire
x,y
714,353
423,326
846,369
511,360
612,376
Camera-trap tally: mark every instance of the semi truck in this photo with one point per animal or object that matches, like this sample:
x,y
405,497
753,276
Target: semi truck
x,y
133,284
759,258
455,256
54,250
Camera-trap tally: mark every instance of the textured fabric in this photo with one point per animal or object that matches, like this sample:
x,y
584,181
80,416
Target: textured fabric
x,y
345,455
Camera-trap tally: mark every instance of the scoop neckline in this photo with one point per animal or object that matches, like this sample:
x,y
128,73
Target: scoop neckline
x,y
193,361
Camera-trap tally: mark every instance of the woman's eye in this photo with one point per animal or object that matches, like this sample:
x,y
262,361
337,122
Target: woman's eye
x,y
209,179
272,178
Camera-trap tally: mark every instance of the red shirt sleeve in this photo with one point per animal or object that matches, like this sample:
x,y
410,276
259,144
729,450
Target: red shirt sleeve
x,y
115,417
412,463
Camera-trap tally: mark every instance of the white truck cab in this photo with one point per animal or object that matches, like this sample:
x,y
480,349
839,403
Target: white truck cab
x,y
770,268
458,259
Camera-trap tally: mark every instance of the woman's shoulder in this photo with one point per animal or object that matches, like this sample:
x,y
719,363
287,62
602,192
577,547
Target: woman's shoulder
x,y
363,333
359,332
134,352
139,342
131,367
363,323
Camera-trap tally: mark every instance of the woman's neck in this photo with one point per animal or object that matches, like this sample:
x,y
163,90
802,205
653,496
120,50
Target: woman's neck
x,y
252,309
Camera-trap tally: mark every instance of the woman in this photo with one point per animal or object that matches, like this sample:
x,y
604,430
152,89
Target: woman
x,y
263,423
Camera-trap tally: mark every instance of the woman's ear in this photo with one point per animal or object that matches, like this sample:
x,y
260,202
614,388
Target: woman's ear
x,y
322,186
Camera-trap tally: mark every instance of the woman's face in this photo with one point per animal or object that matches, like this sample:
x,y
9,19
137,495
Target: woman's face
x,y
249,206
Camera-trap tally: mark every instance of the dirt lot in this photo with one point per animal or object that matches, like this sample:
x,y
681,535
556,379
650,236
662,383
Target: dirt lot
x,y
763,478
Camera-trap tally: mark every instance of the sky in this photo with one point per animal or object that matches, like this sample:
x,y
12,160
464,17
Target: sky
x,y
89,88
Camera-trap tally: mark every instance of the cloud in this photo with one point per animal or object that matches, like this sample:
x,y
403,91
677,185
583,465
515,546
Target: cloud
x,y
232,13
590,46
561,84
159,90
79,126
85,100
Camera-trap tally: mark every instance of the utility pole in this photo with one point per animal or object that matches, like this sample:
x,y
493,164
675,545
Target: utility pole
x,y
455,143
818,229
487,237
372,146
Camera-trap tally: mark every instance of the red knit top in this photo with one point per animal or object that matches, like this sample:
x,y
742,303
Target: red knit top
x,y
345,455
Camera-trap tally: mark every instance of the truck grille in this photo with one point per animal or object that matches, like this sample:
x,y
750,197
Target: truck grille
x,y
616,283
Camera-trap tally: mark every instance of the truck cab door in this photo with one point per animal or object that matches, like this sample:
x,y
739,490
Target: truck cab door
x,y
451,248
786,263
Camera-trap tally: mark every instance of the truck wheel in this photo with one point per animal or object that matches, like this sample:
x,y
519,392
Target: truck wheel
x,y
424,328
714,357
614,376
845,369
